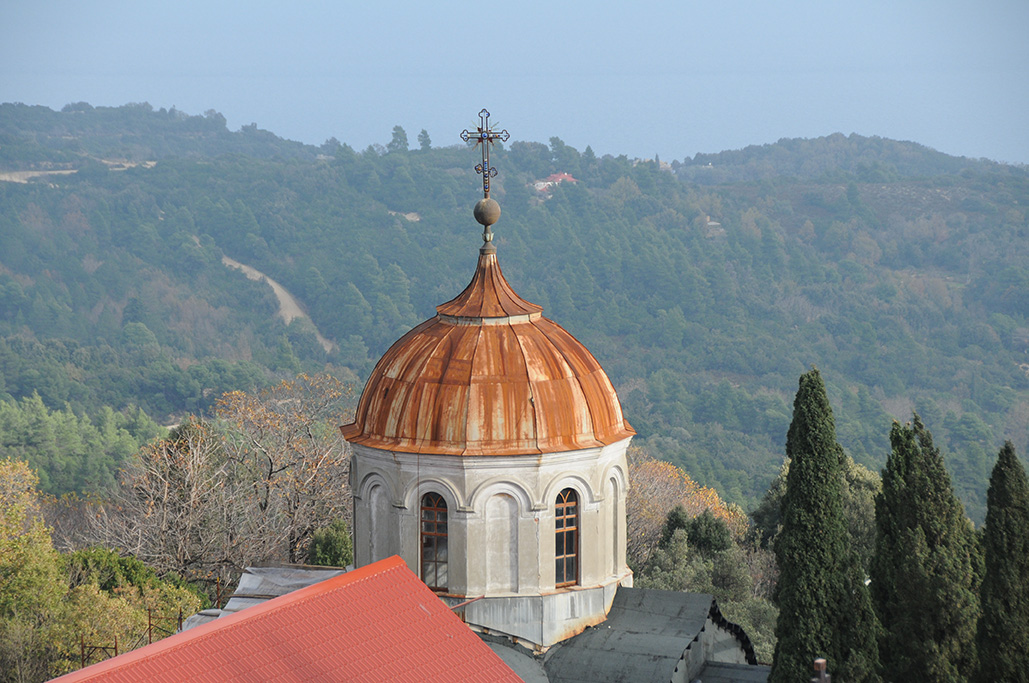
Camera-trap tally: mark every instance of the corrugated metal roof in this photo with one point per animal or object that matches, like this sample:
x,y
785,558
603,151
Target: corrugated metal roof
x,y
489,375
260,584
643,638
714,672
372,624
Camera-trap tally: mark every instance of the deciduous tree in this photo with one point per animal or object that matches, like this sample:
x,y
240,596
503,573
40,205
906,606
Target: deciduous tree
x,y
172,509
250,487
30,579
286,445
47,603
655,489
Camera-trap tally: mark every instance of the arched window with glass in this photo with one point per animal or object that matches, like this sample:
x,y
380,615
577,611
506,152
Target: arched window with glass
x,y
434,541
566,551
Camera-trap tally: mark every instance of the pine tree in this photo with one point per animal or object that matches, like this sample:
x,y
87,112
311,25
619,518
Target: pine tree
x,y
1003,636
424,141
399,141
925,567
824,606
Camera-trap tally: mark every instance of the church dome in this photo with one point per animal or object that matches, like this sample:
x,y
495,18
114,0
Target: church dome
x,y
488,375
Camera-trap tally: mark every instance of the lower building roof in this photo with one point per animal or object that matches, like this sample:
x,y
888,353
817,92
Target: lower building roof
x,y
643,639
376,623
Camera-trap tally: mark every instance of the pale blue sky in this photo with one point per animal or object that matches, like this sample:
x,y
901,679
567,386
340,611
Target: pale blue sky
x,y
636,78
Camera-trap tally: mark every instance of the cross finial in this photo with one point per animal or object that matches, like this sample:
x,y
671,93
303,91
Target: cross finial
x,y
485,136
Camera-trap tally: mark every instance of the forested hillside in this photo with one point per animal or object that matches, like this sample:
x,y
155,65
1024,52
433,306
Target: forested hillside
x,y
704,287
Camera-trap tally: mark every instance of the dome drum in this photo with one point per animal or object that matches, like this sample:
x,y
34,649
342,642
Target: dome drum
x,y
502,523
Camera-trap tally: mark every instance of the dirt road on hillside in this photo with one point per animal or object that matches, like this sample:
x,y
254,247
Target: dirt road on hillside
x,y
289,307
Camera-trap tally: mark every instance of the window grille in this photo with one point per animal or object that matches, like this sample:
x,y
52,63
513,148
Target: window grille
x,y
566,552
434,541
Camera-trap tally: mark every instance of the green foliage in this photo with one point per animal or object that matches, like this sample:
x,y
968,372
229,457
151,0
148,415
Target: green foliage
x,y
30,569
709,534
31,594
72,452
757,617
47,603
846,158
726,573
673,568
926,567
824,609
677,519
860,486
108,570
114,573
331,546
399,141
424,141
1003,633
897,268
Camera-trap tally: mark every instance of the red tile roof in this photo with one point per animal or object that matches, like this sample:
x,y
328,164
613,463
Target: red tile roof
x,y
377,623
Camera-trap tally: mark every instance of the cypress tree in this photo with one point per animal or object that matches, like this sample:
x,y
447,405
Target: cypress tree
x,y
824,607
925,567
1003,636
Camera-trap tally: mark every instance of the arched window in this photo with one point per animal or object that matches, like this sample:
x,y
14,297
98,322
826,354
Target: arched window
x,y
566,553
434,541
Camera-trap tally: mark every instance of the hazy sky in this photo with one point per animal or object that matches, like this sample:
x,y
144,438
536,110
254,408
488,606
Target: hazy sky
x,y
630,77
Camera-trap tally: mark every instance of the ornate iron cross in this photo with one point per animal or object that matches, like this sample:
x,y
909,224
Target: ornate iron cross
x,y
485,136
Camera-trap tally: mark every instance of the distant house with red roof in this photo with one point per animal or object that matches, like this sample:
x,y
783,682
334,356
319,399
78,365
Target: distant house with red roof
x,y
544,186
375,623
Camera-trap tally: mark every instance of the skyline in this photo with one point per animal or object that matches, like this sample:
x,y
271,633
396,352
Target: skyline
x,y
665,78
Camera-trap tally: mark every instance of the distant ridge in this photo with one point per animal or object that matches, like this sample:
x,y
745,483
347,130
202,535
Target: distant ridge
x,y
865,159
132,132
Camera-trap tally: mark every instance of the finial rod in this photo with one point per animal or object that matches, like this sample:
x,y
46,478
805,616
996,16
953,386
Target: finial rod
x,y
487,211
485,136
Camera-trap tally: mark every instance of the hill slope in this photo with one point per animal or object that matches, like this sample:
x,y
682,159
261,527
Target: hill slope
x,y
901,273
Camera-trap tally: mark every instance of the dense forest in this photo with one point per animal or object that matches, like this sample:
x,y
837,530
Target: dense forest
x,y
704,286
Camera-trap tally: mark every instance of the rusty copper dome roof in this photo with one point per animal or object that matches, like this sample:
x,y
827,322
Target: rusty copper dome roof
x,y
488,375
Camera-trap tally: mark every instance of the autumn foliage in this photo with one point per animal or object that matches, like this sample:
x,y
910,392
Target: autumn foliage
x,y
655,488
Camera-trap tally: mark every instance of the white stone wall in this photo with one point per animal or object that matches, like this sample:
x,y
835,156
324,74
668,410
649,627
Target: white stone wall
x,y
501,530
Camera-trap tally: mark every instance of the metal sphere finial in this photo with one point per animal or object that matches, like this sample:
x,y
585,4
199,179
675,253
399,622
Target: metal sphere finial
x,y
487,213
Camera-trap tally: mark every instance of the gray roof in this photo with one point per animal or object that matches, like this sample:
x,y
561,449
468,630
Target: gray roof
x,y
733,673
258,584
643,638
522,662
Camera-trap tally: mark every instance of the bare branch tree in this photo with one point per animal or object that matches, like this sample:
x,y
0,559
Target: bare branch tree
x,y
287,445
248,488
